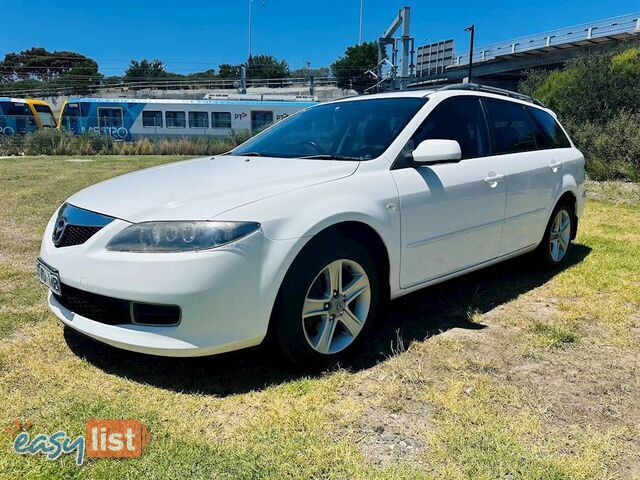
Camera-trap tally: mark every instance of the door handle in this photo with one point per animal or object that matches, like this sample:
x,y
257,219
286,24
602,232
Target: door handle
x,y
494,179
555,166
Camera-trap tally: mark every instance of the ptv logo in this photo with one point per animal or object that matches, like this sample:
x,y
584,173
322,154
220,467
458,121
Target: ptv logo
x,y
116,438
239,116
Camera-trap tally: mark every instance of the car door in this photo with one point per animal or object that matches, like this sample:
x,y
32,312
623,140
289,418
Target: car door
x,y
534,176
451,214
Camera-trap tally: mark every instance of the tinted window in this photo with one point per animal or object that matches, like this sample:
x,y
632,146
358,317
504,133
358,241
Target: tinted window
x,y
152,118
220,120
110,116
553,136
460,119
359,129
198,120
512,128
175,120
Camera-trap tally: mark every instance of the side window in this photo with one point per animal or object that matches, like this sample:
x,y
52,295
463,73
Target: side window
x,y
198,120
175,120
152,118
460,119
553,136
110,117
512,128
220,120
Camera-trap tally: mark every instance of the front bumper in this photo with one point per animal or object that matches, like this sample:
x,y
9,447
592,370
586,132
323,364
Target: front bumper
x,y
224,295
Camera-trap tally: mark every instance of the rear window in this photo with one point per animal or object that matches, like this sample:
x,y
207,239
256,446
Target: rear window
x,y
512,128
553,136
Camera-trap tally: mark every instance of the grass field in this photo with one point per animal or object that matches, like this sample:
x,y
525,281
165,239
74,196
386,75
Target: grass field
x,y
507,373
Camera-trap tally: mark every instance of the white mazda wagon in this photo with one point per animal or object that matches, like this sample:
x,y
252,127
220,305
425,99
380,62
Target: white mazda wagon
x,y
305,230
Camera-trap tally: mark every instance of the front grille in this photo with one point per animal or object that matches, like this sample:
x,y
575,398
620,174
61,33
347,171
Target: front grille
x,y
77,235
116,311
74,225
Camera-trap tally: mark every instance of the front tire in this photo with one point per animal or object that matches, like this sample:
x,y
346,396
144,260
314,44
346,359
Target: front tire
x,y
557,237
328,300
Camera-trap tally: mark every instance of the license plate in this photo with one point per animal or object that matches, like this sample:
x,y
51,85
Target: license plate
x,y
49,276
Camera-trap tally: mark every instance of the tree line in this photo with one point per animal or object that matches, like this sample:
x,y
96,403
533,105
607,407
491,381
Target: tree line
x,y
38,68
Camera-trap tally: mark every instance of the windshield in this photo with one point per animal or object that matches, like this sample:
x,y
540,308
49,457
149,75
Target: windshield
x,y
356,130
46,117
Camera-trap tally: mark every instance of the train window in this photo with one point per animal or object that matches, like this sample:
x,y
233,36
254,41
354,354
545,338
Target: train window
x,y
198,120
152,118
109,117
220,120
70,117
260,120
175,120
46,116
21,115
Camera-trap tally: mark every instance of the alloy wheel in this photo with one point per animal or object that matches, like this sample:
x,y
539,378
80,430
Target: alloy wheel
x,y
336,306
560,235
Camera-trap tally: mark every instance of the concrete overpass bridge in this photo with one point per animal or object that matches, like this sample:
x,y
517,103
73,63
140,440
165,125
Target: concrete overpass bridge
x,y
502,64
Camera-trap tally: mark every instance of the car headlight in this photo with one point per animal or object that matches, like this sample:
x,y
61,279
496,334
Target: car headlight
x,y
179,236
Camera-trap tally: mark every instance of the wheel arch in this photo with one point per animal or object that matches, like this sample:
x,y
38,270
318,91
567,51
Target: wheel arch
x,y
364,234
570,198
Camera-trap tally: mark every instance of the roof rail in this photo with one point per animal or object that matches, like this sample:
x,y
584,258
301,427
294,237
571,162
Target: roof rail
x,y
476,87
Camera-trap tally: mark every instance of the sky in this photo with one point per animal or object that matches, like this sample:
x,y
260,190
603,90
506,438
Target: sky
x,y
193,35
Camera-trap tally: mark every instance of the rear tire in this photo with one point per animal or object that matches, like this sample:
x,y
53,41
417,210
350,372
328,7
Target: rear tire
x,y
327,302
556,242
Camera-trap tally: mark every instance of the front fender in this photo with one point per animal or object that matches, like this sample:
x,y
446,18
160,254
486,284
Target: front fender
x,y
295,217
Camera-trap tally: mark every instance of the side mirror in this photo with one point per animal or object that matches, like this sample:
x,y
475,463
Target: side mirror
x,y
437,151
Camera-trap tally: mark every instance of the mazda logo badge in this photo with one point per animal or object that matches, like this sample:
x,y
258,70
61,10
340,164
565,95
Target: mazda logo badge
x,y
59,230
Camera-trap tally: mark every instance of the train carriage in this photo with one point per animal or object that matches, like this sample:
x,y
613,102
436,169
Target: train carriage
x,y
20,116
132,119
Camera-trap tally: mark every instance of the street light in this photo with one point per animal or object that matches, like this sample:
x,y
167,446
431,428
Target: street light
x,y
472,31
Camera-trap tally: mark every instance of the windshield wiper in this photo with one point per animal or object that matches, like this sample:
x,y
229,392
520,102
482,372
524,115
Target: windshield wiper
x,y
331,157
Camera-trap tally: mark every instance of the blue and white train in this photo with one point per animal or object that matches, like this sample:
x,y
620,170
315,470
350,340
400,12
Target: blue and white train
x,y
131,119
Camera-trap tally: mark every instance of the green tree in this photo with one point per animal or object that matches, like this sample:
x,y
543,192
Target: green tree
x,y
267,66
226,70
145,70
38,63
350,69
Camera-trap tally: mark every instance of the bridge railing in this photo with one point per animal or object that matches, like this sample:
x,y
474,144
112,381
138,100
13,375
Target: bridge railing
x,y
587,31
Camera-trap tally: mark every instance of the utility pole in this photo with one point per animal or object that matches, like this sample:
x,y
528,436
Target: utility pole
x,y
360,35
472,31
243,79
